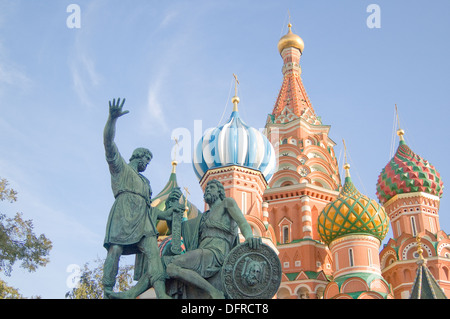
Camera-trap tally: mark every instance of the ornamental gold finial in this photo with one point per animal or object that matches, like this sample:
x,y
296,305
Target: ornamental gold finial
x,y
346,164
235,100
174,162
419,248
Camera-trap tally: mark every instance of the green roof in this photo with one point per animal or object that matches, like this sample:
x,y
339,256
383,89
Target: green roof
x,y
425,286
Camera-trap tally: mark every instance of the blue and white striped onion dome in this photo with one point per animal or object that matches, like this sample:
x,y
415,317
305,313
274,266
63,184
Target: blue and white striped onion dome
x,y
234,143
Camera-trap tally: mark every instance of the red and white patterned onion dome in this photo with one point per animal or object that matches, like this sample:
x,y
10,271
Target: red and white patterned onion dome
x,y
407,172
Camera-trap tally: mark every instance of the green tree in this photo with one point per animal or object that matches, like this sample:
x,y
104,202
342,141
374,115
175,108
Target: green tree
x,y
19,243
8,292
90,282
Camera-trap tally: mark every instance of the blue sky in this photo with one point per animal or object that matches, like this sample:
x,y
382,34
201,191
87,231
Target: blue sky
x,y
173,62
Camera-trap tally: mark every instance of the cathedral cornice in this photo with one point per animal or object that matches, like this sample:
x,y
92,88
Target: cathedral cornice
x,y
297,190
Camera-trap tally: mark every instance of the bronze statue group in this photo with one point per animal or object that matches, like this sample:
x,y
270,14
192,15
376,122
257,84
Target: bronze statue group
x,y
131,229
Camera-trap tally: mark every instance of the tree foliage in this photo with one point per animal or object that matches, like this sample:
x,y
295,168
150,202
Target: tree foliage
x,y
8,292
17,239
90,281
19,243
7,193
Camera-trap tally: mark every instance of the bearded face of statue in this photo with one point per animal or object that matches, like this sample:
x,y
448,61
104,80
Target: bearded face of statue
x,y
211,194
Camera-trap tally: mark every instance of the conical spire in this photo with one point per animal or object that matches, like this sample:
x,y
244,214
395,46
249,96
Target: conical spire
x,y
425,285
292,101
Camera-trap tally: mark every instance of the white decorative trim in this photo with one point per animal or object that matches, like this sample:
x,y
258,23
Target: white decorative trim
x,y
307,229
386,256
410,195
442,246
414,244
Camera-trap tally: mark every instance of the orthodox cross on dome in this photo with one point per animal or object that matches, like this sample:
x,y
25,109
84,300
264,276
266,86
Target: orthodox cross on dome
x,y
400,132
289,20
235,100
346,164
187,192
174,161
236,82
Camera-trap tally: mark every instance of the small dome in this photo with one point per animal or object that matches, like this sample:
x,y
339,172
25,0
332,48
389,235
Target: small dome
x,y
352,213
407,172
290,40
234,143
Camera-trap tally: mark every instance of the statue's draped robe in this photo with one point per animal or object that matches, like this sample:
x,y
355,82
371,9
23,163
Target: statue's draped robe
x,y
208,239
129,219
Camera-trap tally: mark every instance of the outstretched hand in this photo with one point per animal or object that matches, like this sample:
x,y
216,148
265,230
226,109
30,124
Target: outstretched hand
x,y
115,109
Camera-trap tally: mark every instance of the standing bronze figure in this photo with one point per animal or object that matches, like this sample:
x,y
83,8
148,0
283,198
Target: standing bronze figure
x,y
131,222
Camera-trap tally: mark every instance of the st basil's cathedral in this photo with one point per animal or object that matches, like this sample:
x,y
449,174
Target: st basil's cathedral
x,y
327,234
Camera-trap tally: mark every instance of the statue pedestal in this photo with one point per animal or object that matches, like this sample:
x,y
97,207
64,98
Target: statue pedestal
x,y
149,294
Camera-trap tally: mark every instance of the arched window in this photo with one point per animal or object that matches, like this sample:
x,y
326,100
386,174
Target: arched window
x,y
398,229
285,234
336,261
413,226
431,221
350,257
244,203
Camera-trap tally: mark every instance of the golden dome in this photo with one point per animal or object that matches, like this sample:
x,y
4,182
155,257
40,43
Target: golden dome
x,y
290,40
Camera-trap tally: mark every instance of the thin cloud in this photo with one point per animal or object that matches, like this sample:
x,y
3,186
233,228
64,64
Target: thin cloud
x,y
10,73
155,112
169,17
82,66
84,73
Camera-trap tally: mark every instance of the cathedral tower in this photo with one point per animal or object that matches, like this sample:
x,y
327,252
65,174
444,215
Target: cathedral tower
x,y
353,226
243,160
306,179
410,188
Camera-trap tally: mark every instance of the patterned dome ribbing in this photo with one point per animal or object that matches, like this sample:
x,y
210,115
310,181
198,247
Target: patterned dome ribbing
x,y
234,143
352,213
407,172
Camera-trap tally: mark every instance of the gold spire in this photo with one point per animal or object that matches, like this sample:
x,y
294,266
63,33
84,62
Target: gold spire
x,y
346,164
235,100
400,132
